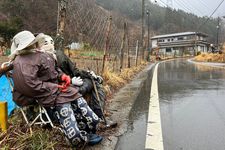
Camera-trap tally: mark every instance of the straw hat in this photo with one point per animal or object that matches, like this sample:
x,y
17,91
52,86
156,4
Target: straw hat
x,y
21,41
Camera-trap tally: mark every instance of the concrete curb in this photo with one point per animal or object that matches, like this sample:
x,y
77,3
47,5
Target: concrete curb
x,y
210,64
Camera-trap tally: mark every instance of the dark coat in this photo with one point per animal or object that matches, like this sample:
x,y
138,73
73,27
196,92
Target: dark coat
x,y
67,66
87,88
36,78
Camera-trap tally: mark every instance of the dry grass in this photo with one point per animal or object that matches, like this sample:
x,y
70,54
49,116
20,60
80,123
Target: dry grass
x,y
210,57
205,57
18,135
114,81
223,48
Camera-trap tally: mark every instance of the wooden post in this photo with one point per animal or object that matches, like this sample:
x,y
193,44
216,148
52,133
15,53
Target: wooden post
x,y
128,47
195,49
106,44
61,19
62,6
114,62
97,69
148,48
122,46
137,51
3,116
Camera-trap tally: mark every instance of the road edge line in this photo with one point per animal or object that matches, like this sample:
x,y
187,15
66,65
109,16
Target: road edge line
x,y
154,138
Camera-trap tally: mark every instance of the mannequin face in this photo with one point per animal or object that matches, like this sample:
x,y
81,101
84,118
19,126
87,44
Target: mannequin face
x,y
46,44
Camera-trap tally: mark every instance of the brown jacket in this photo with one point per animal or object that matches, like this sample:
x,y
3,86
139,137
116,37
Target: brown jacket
x,y
35,77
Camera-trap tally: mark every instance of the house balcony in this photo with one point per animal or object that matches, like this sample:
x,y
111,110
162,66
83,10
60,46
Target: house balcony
x,y
182,43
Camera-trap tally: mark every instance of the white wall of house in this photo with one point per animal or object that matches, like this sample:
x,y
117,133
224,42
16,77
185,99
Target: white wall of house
x,y
202,48
168,40
154,43
172,52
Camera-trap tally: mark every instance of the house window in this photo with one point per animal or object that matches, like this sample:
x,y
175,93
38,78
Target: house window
x,y
168,50
160,40
180,38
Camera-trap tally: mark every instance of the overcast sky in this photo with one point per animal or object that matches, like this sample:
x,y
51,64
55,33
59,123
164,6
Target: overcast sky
x,y
198,7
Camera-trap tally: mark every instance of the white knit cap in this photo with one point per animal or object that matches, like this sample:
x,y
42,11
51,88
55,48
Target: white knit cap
x,y
44,39
46,44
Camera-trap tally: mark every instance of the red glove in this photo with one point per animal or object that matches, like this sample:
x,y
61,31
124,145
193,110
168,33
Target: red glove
x,y
66,79
62,88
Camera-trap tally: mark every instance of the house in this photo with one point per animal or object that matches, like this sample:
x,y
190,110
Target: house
x,y
180,43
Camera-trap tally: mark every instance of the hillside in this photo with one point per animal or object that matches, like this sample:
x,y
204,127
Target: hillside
x,y
162,20
87,20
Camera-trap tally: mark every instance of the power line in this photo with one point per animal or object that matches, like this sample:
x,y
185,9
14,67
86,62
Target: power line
x,y
185,3
182,6
170,3
211,14
204,7
202,2
162,2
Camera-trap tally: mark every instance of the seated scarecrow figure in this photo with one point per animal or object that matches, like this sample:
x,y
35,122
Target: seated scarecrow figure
x,y
37,79
80,78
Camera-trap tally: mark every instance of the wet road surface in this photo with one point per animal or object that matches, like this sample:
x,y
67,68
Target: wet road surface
x,y
192,106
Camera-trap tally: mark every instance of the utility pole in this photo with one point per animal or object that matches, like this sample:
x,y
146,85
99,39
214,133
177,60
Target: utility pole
x,y
142,29
148,48
217,34
61,19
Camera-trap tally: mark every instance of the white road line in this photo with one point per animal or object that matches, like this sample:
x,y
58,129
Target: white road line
x,y
154,138
208,64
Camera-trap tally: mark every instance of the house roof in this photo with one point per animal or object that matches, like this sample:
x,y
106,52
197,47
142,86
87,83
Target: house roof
x,y
178,34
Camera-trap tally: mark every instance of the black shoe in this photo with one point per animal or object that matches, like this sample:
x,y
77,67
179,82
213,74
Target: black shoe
x,y
94,139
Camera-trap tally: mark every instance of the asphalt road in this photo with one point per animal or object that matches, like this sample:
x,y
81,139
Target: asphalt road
x,y
192,106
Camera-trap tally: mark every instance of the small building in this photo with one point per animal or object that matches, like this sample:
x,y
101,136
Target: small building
x,y
180,43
